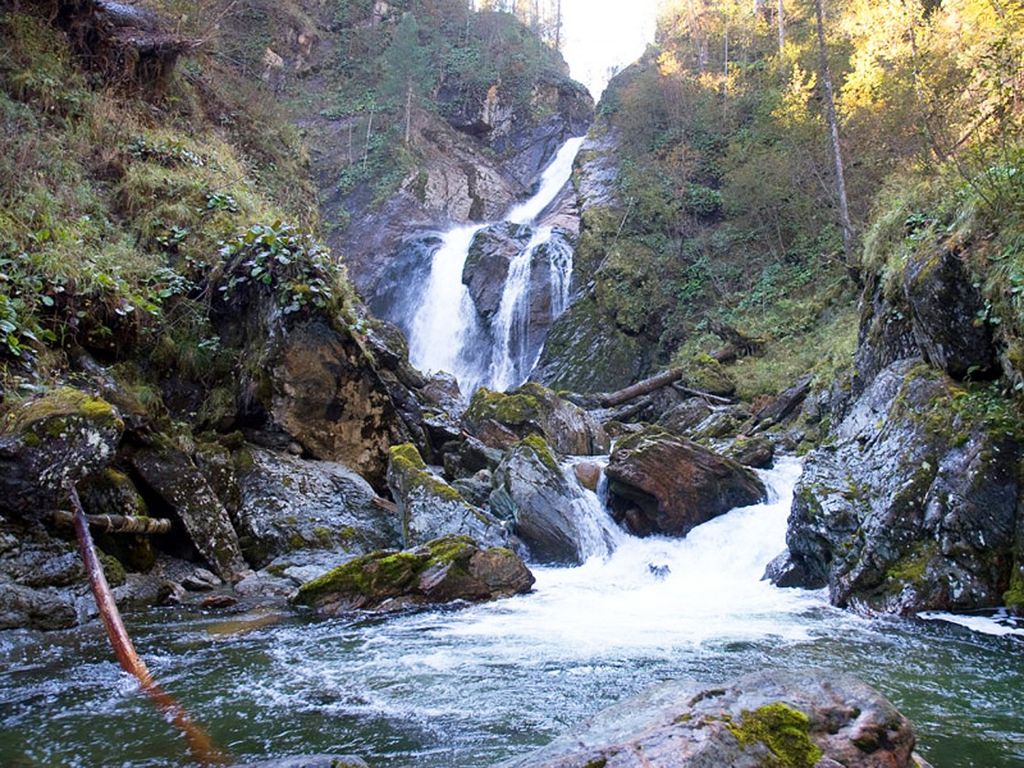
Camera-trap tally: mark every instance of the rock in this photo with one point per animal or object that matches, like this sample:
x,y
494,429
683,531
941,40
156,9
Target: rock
x,y
502,419
58,438
291,505
945,304
783,572
684,417
756,452
799,719
429,508
446,569
914,505
470,457
706,374
310,761
171,475
661,483
201,580
25,607
112,492
476,489
724,421
589,474
33,557
487,264
547,509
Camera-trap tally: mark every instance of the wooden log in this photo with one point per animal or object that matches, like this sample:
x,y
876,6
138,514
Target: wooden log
x,y
147,526
202,748
645,387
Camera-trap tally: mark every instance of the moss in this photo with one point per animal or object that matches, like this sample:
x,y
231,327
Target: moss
x,y
540,449
378,574
1013,598
58,405
513,408
323,535
912,568
113,570
781,728
450,549
406,457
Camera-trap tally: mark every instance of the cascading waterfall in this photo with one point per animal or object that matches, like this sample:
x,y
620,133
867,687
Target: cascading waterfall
x,y
447,333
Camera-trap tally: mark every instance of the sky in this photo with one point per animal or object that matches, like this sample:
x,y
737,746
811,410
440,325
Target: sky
x,y
604,36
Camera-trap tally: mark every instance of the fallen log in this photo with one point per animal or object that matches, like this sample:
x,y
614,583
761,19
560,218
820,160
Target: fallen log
x,y
202,748
645,387
147,526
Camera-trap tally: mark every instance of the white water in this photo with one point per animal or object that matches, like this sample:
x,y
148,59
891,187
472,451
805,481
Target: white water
x,y
999,624
446,325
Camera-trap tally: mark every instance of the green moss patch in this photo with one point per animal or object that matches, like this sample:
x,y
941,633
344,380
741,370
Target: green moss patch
x,y
541,450
781,728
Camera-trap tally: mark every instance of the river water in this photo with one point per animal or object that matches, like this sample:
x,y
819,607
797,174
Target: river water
x,y
472,686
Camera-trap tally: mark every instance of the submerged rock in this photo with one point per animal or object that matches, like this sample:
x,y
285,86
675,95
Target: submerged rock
x,y
914,506
665,484
800,719
447,569
530,487
502,419
430,508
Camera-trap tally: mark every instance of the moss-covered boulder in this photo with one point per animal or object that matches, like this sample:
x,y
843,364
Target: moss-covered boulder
x,y
776,719
443,570
550,510
429,508
291,507
914,503
662,483
50,441
502,419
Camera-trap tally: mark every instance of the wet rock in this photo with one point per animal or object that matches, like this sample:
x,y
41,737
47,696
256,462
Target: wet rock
x,y
724,421
487,264
783,572
476,489
661,483
310,761
589,474
914,505
758,452
443,570
292,506
52,440
531,488
501,419
25,607
170,474
469,457
800,719
34,557
112,492
779,408
430,508
201,580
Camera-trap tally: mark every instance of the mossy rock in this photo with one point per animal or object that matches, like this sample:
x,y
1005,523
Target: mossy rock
x,y
705,373
446,569
784,730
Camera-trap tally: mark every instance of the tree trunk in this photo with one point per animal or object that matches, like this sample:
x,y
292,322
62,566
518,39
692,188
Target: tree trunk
x,y
781,21
837,153
408,112
199,743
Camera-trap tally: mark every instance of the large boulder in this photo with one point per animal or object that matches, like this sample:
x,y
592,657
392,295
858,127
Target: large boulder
x,y
291,505
443,570
502,419
664,484
487,264
914,504
799,719
429,508
551,512
50,441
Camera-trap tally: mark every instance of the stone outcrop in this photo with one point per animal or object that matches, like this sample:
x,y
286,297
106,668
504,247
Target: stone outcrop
x,y
443,570
913,506
801,719
429,508
661,483
503,419
547,509
291,506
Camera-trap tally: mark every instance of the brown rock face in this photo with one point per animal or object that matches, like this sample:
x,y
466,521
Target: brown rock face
x,y
333,403
664,484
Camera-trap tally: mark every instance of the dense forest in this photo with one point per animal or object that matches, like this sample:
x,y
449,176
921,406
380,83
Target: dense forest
x,y
402,399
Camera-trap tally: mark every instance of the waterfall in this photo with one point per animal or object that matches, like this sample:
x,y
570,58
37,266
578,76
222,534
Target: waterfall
x,y
597,534
447,331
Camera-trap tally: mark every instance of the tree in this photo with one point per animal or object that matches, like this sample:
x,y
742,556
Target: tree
x,y
837,152
408,70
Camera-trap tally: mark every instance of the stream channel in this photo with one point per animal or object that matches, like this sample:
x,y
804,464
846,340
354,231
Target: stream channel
x,y
472,686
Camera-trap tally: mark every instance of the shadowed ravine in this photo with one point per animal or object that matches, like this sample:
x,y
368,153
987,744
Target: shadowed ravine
x,y
474,686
